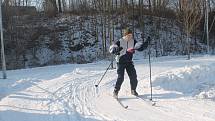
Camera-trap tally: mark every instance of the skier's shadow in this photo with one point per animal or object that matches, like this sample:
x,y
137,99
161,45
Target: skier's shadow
x,y
155,96
162,96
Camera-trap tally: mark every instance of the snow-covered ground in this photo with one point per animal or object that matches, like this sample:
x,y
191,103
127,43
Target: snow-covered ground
x,y
184,90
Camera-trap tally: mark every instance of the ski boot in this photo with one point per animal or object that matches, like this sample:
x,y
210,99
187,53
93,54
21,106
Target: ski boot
x,y
134,92
115,93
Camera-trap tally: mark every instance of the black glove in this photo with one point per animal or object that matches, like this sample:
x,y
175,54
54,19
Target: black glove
x,y
120,48
143,45
114,49
117,51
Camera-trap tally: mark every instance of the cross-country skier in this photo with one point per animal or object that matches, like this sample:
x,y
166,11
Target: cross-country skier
x,y
124,49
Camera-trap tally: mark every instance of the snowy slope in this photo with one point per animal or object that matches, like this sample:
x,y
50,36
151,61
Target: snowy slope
x,y
183,89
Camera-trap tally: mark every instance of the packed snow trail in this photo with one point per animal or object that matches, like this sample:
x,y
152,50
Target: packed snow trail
x,y
184,90
53,99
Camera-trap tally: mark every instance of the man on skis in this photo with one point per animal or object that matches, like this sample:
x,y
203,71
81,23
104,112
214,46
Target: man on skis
x,y
124,49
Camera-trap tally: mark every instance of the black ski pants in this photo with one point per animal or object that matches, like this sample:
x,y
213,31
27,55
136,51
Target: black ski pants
x,y
129,67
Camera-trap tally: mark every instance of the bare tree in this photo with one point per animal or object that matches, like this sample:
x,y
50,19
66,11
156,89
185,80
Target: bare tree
x,y
150,5
190,14
104,34
59,6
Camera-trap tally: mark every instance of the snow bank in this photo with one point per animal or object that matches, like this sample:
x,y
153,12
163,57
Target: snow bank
x,y
198,80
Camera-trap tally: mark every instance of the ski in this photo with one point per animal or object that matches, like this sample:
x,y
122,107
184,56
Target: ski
x,y
121,104
153,103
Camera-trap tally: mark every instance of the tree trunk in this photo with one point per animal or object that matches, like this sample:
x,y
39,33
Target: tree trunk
x,y
188,46
150,5
59,6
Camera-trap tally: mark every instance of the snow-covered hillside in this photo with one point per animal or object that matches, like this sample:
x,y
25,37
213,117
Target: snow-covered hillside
x,y
184,90
73,39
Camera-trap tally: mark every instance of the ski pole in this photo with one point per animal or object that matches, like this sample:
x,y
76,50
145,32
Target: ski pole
x,y
103,75
150,70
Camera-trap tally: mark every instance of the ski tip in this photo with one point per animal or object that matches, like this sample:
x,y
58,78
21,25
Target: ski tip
x,y
126,107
